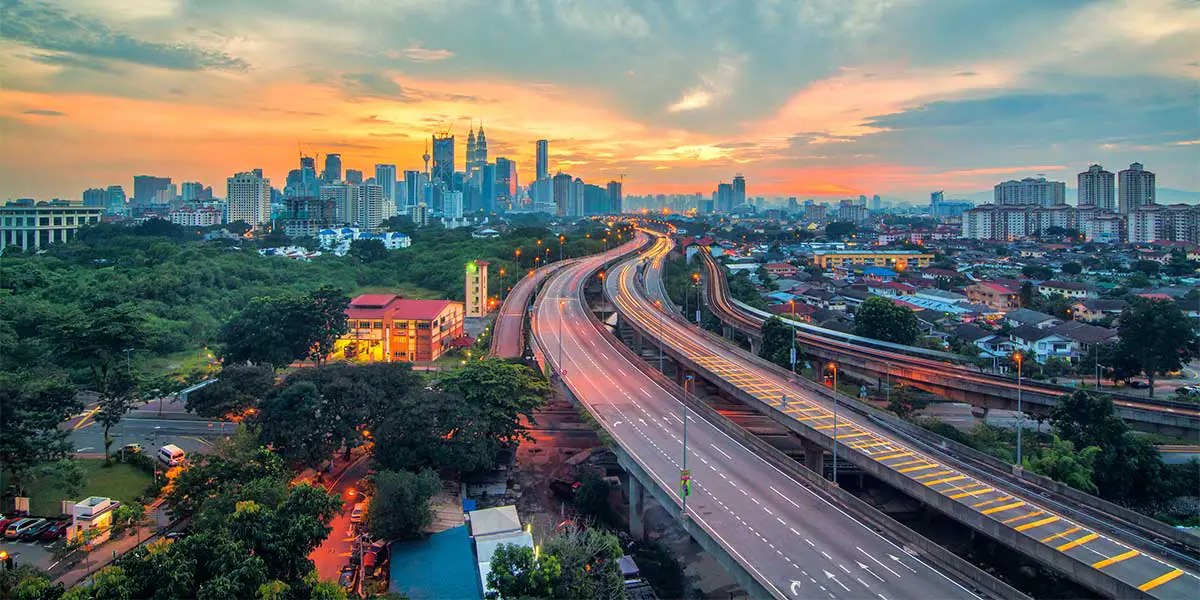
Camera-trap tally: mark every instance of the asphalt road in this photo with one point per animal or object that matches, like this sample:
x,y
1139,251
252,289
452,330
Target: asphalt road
x,y
506,333
143,425
1033,517
792,541
334,552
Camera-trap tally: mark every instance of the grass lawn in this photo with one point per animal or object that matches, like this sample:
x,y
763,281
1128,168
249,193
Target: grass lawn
x,y
118,481
182,364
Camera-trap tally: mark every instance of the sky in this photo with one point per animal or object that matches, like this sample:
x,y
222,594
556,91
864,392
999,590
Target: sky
x,y
806,98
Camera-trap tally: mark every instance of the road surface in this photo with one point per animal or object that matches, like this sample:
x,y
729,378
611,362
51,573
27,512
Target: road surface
x,y
508,340
143,425
334,552
792,541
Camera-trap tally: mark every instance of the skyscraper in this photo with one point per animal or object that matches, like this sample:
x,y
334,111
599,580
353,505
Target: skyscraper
x,y
371,199
333,168
344,197
354,176
487,187
562,192
575,198
1096,188
506,183
452,205
385,177
94,197
191,191
876,202
543,159
1030,191
414,182
724,198
442,175
739,190
145,189
1136,188
248,197
476,158
115,199
614,198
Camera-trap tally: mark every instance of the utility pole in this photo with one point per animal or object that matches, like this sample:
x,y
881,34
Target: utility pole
x,y
835,422
1020,415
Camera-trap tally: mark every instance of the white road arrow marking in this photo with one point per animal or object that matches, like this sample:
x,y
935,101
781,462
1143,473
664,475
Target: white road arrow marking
x,y
897,559
868,569
795,587
876,560
829,575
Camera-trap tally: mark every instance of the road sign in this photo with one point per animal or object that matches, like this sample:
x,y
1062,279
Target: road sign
x,y
685,483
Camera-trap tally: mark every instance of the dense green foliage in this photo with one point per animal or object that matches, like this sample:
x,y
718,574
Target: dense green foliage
x,y
881,319
278,330
777,343
400,508
1155,337
238,388
574,564
742,289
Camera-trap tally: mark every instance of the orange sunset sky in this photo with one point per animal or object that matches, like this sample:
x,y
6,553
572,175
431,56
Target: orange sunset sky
x,y
808,98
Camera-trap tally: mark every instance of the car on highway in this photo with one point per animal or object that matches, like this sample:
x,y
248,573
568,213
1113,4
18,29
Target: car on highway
x,y
348,578
56,530
35,531
15,529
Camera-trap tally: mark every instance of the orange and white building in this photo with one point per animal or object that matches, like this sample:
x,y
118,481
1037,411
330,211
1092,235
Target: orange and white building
x,y
388,328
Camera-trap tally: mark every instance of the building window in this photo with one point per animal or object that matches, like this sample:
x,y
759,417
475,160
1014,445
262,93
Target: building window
x,y
58,221
44,221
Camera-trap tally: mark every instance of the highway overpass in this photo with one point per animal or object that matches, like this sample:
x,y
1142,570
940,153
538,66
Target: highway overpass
x,y
1103,556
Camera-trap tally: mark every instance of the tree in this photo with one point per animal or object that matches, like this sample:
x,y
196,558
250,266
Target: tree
x,y
1060,462
777,342
1039,272
516,573
1149,268
500,392
101,343
1180,266
237,387
368,250
840,230
400,508
1072,268
33,404
587,559
881,319
109,583
1026,294
592,498
277,330
1156,336
1127,467
325,312
294,422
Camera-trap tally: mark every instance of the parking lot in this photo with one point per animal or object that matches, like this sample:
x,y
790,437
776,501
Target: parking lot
x,y
37,553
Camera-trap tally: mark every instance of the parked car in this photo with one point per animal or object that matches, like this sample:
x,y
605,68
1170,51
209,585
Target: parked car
x,y
134,448
356,515
16,528
5,521
56,530
35,531
1139,385
347,578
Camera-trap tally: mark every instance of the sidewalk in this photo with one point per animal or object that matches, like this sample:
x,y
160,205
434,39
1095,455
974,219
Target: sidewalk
x,y
104,554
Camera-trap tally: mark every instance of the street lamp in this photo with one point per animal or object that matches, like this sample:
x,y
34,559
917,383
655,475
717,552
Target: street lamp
x,y
561,239
1020,415
835,421
696,284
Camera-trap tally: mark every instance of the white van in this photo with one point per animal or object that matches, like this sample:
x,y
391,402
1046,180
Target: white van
x,y
171,455
356,515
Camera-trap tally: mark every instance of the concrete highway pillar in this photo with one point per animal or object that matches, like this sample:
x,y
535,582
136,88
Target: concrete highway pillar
x,y
637,527
726,331
814,457
755,344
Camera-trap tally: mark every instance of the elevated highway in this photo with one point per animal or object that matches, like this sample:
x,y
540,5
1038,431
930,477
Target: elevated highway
x,y
914,366
1102,556
787,540
508,332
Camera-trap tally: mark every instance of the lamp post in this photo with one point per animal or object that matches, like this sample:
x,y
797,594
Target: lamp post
x,y
696,284
793,355
1020,415
835,421
688,379
561,239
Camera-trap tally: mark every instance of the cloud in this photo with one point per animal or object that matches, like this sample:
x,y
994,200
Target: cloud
x,y
373,85
74,60
713,87
41,112
42,26
416,53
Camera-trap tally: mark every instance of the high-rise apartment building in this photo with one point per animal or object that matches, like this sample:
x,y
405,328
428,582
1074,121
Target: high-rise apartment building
x,y
191,191
506,183
248,197
739,190
413,189
371,200
94,198
452,205
562,192
876,202
385,177
333,168
344,198
724,198
354,176
575,198
442,175
115,200
477,288
1136,188
614,198
1031,191
543,159
1097,188
145,190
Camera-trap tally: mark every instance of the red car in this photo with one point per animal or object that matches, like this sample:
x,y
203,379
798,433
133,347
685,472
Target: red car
x,y
55,531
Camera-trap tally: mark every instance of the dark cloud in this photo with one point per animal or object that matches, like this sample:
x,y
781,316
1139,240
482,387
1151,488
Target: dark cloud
x,y
41,112
374,85
50,28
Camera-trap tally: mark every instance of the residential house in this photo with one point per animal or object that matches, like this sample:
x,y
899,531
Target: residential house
x,y
781,269
1025,316
990,344
1090,311
890,288
995,295
1068,289
797,310
1068,341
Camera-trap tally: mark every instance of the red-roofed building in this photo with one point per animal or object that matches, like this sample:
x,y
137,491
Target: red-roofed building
x,y
999,296
784,270
388,328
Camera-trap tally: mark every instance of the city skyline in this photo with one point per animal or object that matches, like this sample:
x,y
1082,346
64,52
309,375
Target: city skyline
x,y
824,99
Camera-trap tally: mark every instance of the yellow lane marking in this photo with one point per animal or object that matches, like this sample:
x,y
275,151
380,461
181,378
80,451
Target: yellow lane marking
x,y
1079,542
1037,523
919,468
1100,564
996,509
1060,535
992,501
1157,581
1025,516
906,463
945,480
873,444
920,477
846,436
823,427
897,455
813,418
